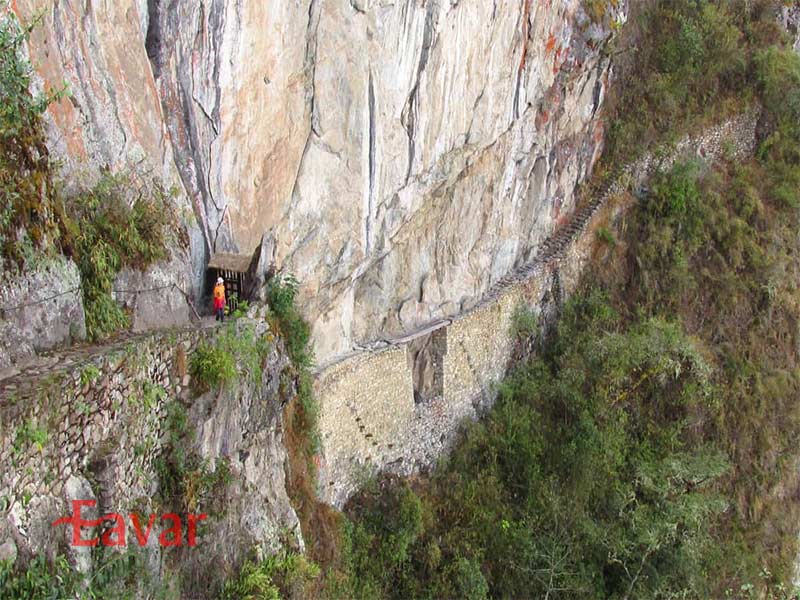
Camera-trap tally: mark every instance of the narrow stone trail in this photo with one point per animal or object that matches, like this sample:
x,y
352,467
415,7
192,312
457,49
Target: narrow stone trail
x,y
22,383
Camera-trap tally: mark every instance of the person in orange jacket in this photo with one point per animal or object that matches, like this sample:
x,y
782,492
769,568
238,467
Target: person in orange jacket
x,y
219,299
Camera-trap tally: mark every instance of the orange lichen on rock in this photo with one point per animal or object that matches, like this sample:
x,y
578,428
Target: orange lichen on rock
x,y
551,43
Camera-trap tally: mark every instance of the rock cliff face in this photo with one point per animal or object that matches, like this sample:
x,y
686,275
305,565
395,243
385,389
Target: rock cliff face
x,y
40,311
405,155
112,119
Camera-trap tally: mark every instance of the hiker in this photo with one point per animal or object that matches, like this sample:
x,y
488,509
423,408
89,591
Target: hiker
x,y
219,299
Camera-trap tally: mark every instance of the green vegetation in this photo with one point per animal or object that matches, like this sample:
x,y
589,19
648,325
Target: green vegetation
x,y
319,522
89,373
27,197
29,434
236,353
525,322
211,367
39,581
285,575
605,236
286,320
683,64
117,223
778,73
116,576
110,227
725,262
598,9
281,295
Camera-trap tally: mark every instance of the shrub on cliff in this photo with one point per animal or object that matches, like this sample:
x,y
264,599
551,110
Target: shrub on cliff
x,y
388,520
118,223
27,197
212,367
778,73
236,354
283,575
683,63
287,320
115,576
281,296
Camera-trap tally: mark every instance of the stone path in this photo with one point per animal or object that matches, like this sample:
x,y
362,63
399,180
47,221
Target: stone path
x,y
22,382
712,143
14,382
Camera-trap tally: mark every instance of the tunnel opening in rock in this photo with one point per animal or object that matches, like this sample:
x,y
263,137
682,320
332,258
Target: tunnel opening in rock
x,y
426,361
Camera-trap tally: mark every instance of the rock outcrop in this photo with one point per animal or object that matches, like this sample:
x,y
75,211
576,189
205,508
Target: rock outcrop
x,y
39,310
407,155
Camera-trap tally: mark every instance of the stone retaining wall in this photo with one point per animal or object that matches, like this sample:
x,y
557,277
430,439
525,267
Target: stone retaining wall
x,y
94,408
371,390
377,402
91,424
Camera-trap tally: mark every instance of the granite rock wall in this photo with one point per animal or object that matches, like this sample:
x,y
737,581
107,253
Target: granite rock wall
x,y
372,420
359,131
39,311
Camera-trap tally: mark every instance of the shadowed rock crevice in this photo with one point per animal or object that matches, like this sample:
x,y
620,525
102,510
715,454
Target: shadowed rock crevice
x,y
152,42
409,115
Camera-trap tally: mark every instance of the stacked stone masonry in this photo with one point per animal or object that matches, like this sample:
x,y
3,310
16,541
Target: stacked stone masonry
x,y
91,408
90,423
369,419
